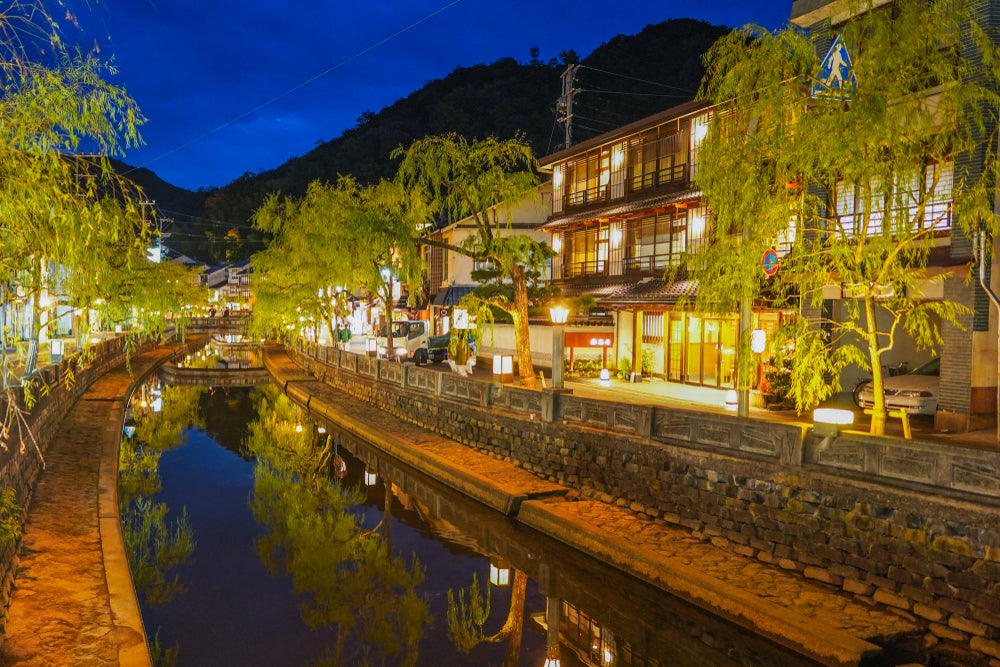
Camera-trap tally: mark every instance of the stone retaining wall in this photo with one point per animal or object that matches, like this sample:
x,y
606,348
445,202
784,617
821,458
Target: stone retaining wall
x,y
21,459
912,525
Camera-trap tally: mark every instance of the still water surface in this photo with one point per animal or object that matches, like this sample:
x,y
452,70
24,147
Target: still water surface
x,y
261,555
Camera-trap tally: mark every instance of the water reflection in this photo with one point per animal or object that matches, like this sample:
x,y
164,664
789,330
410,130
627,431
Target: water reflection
x,y
297,566
156,544
342,574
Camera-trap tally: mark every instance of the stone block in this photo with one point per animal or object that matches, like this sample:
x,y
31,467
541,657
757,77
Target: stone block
x,y
967,625
821,574
985,646
930,613
857,587
888,597
945,632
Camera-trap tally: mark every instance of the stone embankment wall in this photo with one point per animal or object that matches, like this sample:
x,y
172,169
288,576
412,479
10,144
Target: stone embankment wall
x,y
24,442
911,525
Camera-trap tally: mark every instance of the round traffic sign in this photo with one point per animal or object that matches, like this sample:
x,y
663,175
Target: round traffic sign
x,y
770,262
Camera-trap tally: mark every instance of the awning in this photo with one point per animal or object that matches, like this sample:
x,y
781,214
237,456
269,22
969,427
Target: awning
x,y
451,295
621,209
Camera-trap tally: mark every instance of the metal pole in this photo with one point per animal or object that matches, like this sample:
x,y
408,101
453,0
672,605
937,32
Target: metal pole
x,y
743,369
558,341
552,612
980,244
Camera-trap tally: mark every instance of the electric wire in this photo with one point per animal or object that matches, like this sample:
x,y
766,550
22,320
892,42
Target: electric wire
x,y
297,87
626,76
626,92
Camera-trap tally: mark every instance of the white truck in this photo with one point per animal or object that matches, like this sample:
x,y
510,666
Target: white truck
x,y
411,340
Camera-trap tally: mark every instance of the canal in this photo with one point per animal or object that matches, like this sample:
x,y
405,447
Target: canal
x,y
259,537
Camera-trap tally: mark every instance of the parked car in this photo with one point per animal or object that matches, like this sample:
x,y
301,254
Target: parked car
x,y
915,392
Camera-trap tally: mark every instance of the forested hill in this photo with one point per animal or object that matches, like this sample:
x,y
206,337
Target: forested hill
x,y
624,79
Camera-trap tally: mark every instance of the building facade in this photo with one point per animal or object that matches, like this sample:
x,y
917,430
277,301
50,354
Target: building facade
x,y
625,210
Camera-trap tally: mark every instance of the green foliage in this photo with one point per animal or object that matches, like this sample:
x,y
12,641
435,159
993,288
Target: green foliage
x,y
180,410
773,156
11,518
467,613
625,366
154,547
138,472
161,657
344,235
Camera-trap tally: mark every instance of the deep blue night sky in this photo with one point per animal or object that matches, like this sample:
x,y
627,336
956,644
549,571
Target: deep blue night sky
x,y
194,66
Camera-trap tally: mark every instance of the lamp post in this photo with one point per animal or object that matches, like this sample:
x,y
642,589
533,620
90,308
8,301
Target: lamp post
x,y
558,315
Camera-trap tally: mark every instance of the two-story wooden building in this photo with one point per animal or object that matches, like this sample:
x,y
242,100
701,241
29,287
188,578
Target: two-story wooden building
x,y
625,209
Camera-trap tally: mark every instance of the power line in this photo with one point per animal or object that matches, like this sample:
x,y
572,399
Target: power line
x,y
597,120
626,92
295,88
626,76
207,220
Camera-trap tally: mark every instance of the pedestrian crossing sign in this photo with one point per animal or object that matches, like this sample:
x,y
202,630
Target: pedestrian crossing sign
x,y
835,79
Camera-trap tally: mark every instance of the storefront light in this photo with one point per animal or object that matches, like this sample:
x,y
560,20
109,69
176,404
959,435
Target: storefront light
x,y
499,573
557,177
557,243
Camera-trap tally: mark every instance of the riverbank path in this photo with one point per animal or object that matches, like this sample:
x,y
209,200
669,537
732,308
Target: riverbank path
x,y
73,602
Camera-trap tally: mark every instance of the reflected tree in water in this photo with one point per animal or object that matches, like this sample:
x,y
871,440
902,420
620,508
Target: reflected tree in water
x,y
343,575
469,611
154,545
180,409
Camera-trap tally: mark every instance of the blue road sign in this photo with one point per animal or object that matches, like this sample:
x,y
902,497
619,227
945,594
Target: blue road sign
x,y
835,79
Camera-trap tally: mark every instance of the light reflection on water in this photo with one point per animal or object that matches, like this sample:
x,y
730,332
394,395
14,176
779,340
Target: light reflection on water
x,y
288,569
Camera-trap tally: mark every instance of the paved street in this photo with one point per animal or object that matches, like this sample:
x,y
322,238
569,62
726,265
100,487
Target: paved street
x,y
654,391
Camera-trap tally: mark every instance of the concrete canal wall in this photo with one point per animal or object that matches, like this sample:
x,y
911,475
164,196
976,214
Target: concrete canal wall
x,y
911,525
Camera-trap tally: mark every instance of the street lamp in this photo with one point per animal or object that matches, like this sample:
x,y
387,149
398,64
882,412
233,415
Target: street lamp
x,y
558,315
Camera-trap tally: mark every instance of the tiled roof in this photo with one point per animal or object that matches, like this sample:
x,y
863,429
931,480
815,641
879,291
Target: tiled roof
x,y
649,291
451,295
649,202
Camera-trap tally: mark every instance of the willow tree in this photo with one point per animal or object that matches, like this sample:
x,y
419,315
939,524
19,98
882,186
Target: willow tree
x,y
344,235
861,175
297,276
482,180
381,224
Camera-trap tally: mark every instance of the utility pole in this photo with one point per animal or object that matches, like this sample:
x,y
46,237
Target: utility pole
x,y
564,107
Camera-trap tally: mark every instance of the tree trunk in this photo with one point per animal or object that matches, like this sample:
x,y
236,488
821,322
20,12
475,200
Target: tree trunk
x,y
36,327
513,627
390,349
878,398
525,368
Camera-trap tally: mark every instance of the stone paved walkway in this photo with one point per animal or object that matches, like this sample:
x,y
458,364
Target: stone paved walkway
x,y
818,619
73,602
